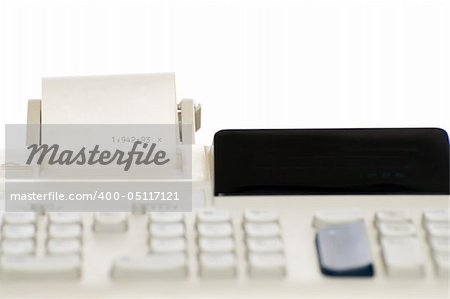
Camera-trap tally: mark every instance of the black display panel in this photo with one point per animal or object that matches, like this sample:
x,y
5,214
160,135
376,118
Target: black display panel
x,y
331,161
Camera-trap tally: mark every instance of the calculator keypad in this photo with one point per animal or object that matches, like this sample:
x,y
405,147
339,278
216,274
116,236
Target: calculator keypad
x,y
166,234
215,243
20,236
401,250
437,227
265,248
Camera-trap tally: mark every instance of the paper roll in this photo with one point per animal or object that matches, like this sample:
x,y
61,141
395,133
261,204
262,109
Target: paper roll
x,y
121,99
134,100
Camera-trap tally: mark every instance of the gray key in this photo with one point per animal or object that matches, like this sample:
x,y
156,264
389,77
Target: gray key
x,y
344,250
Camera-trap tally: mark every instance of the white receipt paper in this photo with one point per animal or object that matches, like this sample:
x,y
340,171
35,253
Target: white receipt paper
x,y
117,99
132,107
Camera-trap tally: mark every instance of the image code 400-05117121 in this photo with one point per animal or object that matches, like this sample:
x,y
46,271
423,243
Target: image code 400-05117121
x,y
98,195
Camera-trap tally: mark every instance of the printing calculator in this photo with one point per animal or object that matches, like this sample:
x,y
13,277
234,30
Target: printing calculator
x,y
276,213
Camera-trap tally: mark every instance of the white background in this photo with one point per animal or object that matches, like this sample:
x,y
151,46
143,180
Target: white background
x,y
298,64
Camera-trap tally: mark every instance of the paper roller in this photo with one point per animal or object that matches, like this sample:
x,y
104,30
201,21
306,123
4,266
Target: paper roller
x,y
113,99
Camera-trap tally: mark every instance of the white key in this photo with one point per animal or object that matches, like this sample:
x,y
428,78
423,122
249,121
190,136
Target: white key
x,y
108,222
440,245
48,267
265,245
173,230
67,231
403,257
64,246
26,231
326,218
20,218
217,265
216,230
436,215
64,218
266,265
152,266
213,215
396,229
216,245
166,217
167,245
17,247
392,216
442,263
438,230
262,230
259,215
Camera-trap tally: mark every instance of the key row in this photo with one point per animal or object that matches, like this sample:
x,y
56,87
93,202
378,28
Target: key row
x,y
265,247
400,247
19,236
111,222
341,232
29,231
330,217
216,245
28,247
213,215
119,218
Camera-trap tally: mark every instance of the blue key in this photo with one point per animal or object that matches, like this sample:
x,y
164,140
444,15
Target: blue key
x,y
344,250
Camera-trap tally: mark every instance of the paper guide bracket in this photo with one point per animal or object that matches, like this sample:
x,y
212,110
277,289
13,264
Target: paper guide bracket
x,y
189,113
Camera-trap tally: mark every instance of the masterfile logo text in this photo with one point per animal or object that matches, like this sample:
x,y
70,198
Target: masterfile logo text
x,y
98,168
148,155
